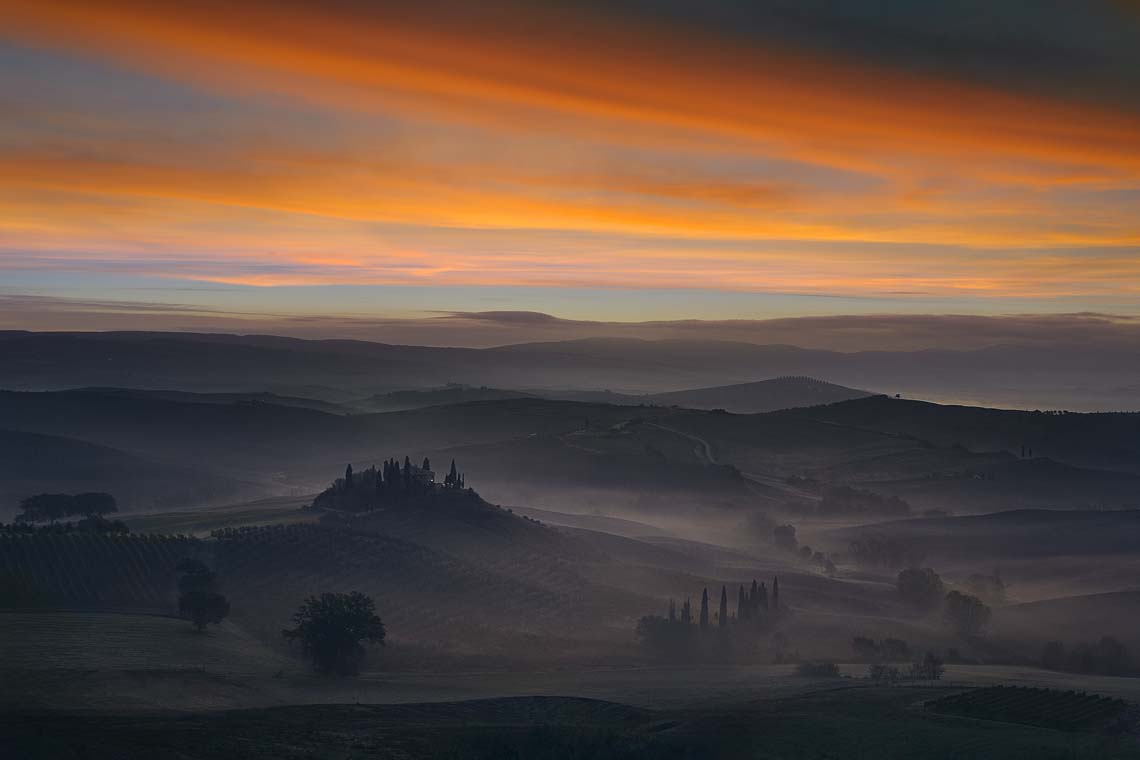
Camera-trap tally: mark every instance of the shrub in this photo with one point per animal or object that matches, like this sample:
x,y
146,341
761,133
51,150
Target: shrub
x,y
929,668
818,669
882,673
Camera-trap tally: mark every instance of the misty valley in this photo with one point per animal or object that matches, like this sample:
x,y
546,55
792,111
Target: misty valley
x,y
346,568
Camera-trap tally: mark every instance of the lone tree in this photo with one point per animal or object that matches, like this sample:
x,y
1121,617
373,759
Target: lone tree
x,y
332,629
920,588
200,602
967,614
704,609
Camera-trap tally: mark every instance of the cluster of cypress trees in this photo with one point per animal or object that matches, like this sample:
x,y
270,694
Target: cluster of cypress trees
x,y
391,482
751,604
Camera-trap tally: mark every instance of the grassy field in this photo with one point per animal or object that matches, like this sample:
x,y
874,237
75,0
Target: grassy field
x,y
49,640
284,510
836,723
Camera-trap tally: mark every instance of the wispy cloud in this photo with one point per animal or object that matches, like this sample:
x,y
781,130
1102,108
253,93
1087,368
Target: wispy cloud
x,y
542,145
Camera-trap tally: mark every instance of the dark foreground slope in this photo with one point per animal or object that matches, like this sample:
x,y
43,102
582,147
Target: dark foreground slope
x,y
845,722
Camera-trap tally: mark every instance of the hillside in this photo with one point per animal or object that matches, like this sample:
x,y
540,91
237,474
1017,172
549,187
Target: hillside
x,y
560,454
395,401
338,370
1004,536
1096,441
762,396
1074,619
32,463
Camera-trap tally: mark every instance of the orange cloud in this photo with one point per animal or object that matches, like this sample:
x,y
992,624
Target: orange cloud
x,y
566,123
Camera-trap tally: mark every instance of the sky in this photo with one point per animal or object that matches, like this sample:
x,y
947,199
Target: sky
x,y
221,166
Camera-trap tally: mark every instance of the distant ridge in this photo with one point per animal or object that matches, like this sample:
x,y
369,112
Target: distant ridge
x,y
775,394
787,392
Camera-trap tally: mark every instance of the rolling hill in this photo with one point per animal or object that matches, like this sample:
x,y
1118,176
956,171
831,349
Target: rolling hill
x,y
1080,377
32,463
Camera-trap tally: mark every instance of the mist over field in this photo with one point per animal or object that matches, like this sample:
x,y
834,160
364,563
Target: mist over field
x,y
170,510
569,380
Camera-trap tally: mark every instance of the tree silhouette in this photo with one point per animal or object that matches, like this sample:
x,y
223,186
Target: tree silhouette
x,y
332,629
967,614
723,606
921,588
704,609
44,507
741,605
687,613
775,594
348,476
200,601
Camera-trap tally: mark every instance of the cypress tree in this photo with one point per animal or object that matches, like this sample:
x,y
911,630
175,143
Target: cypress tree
x,y
763,597
672,611
348,476
427,464
704,609
687,612
723,606
453,476
775,593
754,598
741,605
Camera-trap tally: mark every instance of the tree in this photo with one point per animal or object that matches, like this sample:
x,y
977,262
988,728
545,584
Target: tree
x,y
920,588
427,465
333,628
967,614
775,594
687,613
723,606
200,602
929,668
44,507
784,536
741,605
348,476
203,607
704,609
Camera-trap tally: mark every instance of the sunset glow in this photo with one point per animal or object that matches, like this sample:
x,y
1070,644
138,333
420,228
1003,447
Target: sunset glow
x,y
543,146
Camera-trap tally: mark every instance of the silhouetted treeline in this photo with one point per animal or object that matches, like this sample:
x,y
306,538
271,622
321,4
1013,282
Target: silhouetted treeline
x,y
93,524
1107,657
49,507
390,484
677,636
784,537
